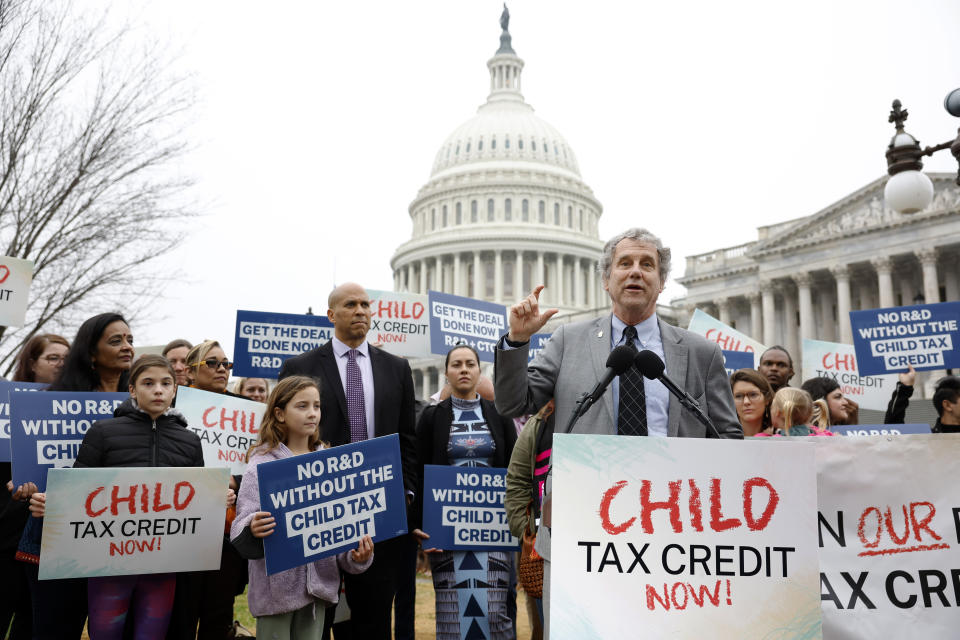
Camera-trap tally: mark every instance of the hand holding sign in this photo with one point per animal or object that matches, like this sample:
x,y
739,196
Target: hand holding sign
x,y
525,318
363,551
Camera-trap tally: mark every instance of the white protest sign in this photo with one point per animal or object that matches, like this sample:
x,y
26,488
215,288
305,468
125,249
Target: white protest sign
x,y
889,529
724,335
399,323
839,362
127,521
227,426
15,278
683,538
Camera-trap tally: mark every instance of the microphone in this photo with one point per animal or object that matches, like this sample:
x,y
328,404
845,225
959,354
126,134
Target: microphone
x,y
652,368
619,360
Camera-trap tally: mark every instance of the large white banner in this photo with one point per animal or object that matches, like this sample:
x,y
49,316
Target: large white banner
x,y
839,361
889,531
228,426
399,323
683,538
16,275
126,521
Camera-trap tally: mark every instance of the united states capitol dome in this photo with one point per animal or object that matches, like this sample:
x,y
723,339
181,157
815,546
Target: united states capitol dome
x,y
505,207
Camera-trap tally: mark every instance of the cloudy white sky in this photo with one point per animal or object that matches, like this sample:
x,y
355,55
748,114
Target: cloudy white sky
x,y
317,123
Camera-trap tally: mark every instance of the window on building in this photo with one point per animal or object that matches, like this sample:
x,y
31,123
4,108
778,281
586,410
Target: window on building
x,y
570,217
460,214
556,214
457,151
444,215
508,209
533,145
488,280
433,219
506,142
490,210
468,146
508,271
542,212
473,211
493,142
580,219
525,210
480,144
520,144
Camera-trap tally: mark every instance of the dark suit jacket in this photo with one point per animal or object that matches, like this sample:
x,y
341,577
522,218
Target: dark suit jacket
x,y
433,436
392,398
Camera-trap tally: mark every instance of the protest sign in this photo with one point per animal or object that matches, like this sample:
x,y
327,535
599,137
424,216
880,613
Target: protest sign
x,y
724,335
46,429
888,531
734,360
5,388
926,336
683,538
228,426
879,429
463,509
15,278
838,362
537,342
128,521
456,320
264,340
325,501
399,323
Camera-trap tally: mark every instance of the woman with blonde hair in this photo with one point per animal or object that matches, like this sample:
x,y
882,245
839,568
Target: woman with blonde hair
x,y
791,413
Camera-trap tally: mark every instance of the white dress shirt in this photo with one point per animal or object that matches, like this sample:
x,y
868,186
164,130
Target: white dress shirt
x,y
366,377
658,397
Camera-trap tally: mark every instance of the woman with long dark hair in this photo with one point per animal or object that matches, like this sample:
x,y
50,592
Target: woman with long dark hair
x,y
465,430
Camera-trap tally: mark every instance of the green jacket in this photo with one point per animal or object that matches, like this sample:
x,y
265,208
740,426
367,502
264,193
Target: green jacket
x,y
520,477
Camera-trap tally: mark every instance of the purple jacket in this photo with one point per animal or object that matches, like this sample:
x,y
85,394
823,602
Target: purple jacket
x,y
294,588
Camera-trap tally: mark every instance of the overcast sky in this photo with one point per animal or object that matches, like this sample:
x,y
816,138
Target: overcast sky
x,y
317,123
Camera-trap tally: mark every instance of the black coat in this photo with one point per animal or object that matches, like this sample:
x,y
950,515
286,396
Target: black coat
x,y
393,400
132,439
433,437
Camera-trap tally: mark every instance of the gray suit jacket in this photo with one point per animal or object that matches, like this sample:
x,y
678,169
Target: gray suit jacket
x,y
575,359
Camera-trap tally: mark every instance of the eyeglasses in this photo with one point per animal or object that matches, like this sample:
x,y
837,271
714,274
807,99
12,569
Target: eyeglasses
x,y
753,396
54,358
213,363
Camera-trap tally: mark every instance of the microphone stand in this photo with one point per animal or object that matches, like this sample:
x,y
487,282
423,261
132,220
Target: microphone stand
x,y
583,404
689,404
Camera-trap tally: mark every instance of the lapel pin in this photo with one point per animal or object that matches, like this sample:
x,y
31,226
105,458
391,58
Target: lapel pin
x,y
600,333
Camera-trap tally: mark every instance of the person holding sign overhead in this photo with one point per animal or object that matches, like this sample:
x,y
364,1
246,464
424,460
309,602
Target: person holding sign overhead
x,y
634,268
369,393
144,432
99,360
289,604
465,430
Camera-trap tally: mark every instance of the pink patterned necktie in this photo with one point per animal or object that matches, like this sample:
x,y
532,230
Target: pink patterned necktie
x,y
356,408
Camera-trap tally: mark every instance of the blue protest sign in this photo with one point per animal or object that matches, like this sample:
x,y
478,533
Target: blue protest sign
x,y
46,429
325,501
733,360
456,320
463,509
5,388
925,336
537,342
879,429
264,340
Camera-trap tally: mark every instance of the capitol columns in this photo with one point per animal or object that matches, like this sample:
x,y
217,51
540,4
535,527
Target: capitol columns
x,y
518,291
423,277
884,267
407,276
438,273
723,306
577,282
769,311
931,283
790,330
803,281
591,287
756,317
457,275
477,275
557,298
842,274
497,275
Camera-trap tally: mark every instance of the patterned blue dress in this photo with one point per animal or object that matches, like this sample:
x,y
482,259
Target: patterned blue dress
x,y
471,586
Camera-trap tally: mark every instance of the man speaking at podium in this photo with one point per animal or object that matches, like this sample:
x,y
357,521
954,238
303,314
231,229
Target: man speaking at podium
x,y
634,269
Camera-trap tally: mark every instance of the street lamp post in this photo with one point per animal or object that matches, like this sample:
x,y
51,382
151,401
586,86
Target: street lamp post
x,y
908,189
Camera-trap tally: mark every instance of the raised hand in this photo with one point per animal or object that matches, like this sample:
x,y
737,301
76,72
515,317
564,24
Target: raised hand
x,y
909,377
525,318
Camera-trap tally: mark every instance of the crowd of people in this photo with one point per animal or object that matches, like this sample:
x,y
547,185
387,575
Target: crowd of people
x,y
349,390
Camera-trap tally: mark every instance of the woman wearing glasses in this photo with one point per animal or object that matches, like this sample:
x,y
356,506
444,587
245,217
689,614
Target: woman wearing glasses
x,y
206,597
751,396
41,359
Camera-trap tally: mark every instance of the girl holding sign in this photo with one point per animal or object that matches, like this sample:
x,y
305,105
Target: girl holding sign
x,y
466,430
289,604
144,432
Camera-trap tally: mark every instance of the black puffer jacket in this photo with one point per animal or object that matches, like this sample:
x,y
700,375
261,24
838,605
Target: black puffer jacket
x,y
132,439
